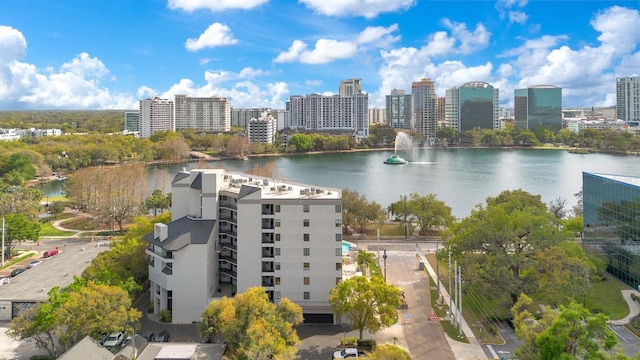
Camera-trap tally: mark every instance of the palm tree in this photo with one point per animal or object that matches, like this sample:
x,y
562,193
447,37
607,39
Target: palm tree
x,y
364,259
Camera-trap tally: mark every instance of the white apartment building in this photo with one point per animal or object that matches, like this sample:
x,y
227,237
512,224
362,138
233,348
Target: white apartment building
x,y
263,129
628,98
156,114
321,112
423,107
377,116
241,117
233,231
202,113
350,87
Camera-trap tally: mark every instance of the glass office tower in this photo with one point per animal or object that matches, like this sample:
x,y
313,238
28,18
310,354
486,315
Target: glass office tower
x,y
611,206
538,107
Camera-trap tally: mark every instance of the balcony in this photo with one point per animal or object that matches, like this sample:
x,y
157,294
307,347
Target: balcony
x,y
229,231
268,238
232,245
267,253
229,272
228,216
267,281
267,266
268,209
228,257
228,204
159,252
268,224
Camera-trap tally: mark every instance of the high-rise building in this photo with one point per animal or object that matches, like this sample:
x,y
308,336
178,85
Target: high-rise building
x,y
377,116
156,114
611,209
474,105
423,108
202,113
241,117
398,108
263,129
132,121
538,107
628,98
322,112
230,231
350,87
440,112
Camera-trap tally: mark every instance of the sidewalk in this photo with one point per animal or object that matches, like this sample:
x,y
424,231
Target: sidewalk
x,y
634,308
472,350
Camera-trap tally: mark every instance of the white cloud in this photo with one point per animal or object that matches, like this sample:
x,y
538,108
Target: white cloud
x,y
517,17
327,50
214,5
619,29
217,34
366,8
505,9
469,41
379,35
75,85
293,53
313,83
249,73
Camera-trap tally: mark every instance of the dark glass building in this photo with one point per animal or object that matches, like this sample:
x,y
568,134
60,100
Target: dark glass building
x,y
538,107
611,206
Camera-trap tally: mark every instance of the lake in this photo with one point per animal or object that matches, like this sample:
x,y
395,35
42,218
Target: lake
x,y
462,178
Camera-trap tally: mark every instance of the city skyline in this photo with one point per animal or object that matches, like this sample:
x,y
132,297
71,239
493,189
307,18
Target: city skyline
x,y
257,53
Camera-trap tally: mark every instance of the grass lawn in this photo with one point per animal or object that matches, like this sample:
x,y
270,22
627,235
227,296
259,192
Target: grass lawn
x,y
47,229
607,298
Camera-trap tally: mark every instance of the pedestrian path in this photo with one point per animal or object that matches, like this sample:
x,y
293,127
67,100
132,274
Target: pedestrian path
x,y
634,308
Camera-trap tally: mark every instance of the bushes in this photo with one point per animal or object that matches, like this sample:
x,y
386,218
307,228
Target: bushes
x,y
165,315
349,341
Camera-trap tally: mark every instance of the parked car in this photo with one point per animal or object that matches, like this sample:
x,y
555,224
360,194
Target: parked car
x,y
17,272
347,353
114,339
163,336
50,253
148,335
34,263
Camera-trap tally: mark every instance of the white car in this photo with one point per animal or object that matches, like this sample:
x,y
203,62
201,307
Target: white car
x,y
114,339
347,353
34,263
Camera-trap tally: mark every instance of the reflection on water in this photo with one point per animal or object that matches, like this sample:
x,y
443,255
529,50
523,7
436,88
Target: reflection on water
x,y
462,178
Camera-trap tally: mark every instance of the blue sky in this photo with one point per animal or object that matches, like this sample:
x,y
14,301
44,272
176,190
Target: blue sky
x,y
71,54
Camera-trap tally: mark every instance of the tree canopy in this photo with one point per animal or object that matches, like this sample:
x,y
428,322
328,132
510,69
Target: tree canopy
x,y
501,245
367,302
252,327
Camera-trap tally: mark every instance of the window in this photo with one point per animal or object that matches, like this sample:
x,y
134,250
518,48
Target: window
x,y
339,266
338,237
338,280
338,251
306,251
277,266
276,295
305,208
306,295
277,280
305,237
153,261
277,221
276,251
169,293
277,237
305,222
338,208
306,266
277,208
338,222
306,280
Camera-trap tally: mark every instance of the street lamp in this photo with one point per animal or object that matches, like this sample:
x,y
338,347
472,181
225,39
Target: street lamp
x,y
378,257
385,265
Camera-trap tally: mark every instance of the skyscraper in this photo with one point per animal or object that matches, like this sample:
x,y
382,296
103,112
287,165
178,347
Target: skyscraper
x,y
628,98
350,87
423,107
398,108
538,107
156,114
202,113
474,105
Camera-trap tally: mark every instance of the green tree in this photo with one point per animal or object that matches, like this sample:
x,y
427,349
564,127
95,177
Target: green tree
x,y
495,244
364,259
402,211
94,309
388,352
449,134
157,200
17,169
252,327
302,142
18,228
429,211
367,303
567,332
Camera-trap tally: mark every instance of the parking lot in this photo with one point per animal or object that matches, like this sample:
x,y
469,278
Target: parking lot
x,y
34,284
